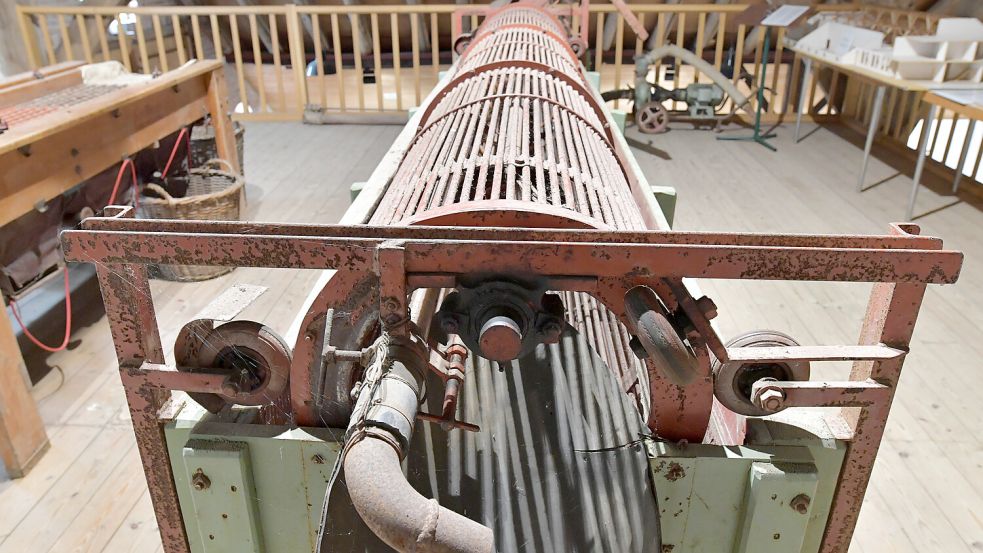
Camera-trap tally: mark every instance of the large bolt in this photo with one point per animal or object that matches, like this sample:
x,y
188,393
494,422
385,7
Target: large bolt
x,y
500,339
706,305
800,503
770,399
199,481
230,388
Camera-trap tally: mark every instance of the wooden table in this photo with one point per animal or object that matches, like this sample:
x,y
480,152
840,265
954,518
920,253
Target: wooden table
x,y
43,156
880,80
925,90
970,108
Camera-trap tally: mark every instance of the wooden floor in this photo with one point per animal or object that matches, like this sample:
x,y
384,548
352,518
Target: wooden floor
x,y
87,493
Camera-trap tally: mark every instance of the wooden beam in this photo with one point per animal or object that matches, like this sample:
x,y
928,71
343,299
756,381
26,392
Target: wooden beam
x,y
218,107
22,92
22,436
44,72
309,27
364,41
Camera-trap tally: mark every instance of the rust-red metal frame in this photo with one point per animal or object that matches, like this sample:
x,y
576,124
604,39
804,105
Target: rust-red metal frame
x,y
599,262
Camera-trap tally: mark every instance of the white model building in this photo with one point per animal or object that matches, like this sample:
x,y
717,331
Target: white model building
x,y
953,55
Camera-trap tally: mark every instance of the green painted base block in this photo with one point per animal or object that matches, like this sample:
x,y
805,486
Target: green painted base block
x,y
620,117
742,499
266,484
279,476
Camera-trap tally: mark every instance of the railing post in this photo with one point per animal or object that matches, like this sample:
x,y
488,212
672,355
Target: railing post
x,y
297,58
29,38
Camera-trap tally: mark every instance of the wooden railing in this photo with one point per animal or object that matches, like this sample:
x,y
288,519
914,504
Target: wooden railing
x,y
160,38
286,60
366,59
374,58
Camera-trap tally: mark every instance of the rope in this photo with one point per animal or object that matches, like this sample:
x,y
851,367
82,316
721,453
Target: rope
x,y
68,320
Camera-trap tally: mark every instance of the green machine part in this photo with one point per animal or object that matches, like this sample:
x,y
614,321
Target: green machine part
x,y
249,488
770,497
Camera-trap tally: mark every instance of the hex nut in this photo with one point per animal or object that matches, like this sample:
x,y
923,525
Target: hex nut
x,y
800,504
707,306
230,388
200,481
769,398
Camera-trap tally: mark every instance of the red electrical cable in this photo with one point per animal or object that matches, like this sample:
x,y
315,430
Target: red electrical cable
x,y
112,198
119,177
177,143
68,286
68,320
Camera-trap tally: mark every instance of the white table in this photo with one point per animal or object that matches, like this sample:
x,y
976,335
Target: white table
x,y
963,99
880,80
968,104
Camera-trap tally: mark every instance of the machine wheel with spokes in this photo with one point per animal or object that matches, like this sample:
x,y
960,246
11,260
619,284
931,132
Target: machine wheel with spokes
x,y
652,118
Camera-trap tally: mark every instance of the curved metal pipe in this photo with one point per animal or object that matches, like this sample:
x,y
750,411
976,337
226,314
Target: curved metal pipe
x,y
379,434
398,514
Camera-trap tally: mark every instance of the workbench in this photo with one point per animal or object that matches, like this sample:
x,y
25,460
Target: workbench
x,y
63,131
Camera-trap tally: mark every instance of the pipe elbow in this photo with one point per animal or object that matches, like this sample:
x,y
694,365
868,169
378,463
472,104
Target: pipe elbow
x,y
398,514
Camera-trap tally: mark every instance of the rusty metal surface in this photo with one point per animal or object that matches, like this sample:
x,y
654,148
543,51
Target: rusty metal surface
x,y
130,310
548,253
521,43
518,14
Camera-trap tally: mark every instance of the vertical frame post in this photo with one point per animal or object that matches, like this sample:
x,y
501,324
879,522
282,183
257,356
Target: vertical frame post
x,y
22,436
130,311
890,320
218,107
297,59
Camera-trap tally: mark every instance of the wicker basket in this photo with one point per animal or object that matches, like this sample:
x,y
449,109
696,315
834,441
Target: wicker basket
x,y
213,195
203,146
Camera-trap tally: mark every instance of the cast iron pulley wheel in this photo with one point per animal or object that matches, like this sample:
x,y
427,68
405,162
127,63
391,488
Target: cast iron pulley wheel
x,y
733,381
257,360
652,118
659,337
